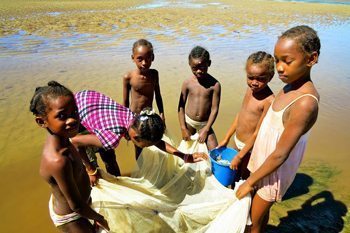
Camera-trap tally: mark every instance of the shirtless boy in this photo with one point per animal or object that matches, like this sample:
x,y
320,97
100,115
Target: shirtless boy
x,y
257,100
199,100
142,83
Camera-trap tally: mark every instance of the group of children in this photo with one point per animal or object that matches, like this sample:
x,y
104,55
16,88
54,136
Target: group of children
x,y
269,132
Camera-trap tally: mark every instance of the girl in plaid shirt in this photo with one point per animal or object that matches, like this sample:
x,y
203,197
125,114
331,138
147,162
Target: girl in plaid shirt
x,y
108,122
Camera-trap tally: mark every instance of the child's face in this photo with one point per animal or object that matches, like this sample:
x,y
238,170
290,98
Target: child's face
x,y
62,117
291,61
199,67
133,134
143,57
258,76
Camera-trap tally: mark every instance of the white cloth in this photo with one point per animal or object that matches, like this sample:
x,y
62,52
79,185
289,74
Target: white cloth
x,y
59,220
167,195
238,142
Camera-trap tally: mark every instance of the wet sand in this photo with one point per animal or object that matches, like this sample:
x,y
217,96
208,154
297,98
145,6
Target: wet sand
x,y
87,45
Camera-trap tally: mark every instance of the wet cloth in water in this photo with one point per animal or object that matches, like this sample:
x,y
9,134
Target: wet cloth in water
x,y
60,220
165,194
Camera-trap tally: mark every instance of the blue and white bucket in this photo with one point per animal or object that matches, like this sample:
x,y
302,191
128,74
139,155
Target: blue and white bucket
x,y
221,159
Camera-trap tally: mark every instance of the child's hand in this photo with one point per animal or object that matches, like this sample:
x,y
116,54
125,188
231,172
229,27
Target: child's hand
x,y
196,157
236,161
243,190
203,134
223,143
94,176
103,223
186,135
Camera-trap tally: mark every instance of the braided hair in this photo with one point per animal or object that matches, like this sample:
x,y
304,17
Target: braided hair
x,y
149,126
306,37
39,101
262,57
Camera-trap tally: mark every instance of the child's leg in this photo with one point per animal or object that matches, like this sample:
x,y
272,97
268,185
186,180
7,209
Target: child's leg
x,y
244,172
110,161
82,225
211,142
259,214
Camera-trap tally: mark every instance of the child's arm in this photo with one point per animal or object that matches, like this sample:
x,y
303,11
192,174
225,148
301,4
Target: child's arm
x,y
203,133
126,90
62,171
301,118
158,97
81,141
229,133
250,142
188,158
186,135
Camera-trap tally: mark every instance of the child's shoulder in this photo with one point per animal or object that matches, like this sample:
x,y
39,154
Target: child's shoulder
x,y
130,74
54,159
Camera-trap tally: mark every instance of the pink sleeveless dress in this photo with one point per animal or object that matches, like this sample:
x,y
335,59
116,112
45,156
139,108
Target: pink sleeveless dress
x,y
272,187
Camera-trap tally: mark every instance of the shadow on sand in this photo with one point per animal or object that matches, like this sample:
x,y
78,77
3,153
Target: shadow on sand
x,y
320,213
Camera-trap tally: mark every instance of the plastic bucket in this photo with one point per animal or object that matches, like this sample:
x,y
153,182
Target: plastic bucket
x,y
222,172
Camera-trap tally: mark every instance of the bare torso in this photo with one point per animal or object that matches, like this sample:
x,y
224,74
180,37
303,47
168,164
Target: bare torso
x,y
53,153
142,89
251,112
199,97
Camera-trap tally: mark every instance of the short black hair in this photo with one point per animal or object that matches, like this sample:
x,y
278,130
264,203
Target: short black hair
x,y
199,52
142,42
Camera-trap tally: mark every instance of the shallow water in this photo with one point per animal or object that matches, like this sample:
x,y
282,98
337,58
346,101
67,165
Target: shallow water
x,y
57,44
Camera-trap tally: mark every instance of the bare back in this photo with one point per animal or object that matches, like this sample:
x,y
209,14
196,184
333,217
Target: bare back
x,y
63,169
253,107
201,96
141,89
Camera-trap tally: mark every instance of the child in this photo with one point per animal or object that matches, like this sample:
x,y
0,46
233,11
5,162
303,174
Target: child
x,y
108,122
55,110
202,91
142,84
281,141
260,69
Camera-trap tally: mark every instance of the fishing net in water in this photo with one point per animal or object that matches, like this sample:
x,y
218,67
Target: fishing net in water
x,y
167,195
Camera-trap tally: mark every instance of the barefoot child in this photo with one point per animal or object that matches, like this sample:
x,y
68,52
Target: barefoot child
x,y
281,141
108,121
142,84
201,92
55,110
260,69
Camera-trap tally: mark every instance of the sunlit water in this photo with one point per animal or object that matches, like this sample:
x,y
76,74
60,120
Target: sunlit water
x,y
98,61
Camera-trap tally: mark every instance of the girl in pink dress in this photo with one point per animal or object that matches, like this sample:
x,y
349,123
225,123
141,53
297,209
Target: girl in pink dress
x,y
282,137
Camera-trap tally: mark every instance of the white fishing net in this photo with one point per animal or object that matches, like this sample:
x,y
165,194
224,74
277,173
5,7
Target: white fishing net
x,y
167,195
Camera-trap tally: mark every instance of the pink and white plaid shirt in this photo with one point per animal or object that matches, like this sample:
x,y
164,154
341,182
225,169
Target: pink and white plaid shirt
x,y
104,117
